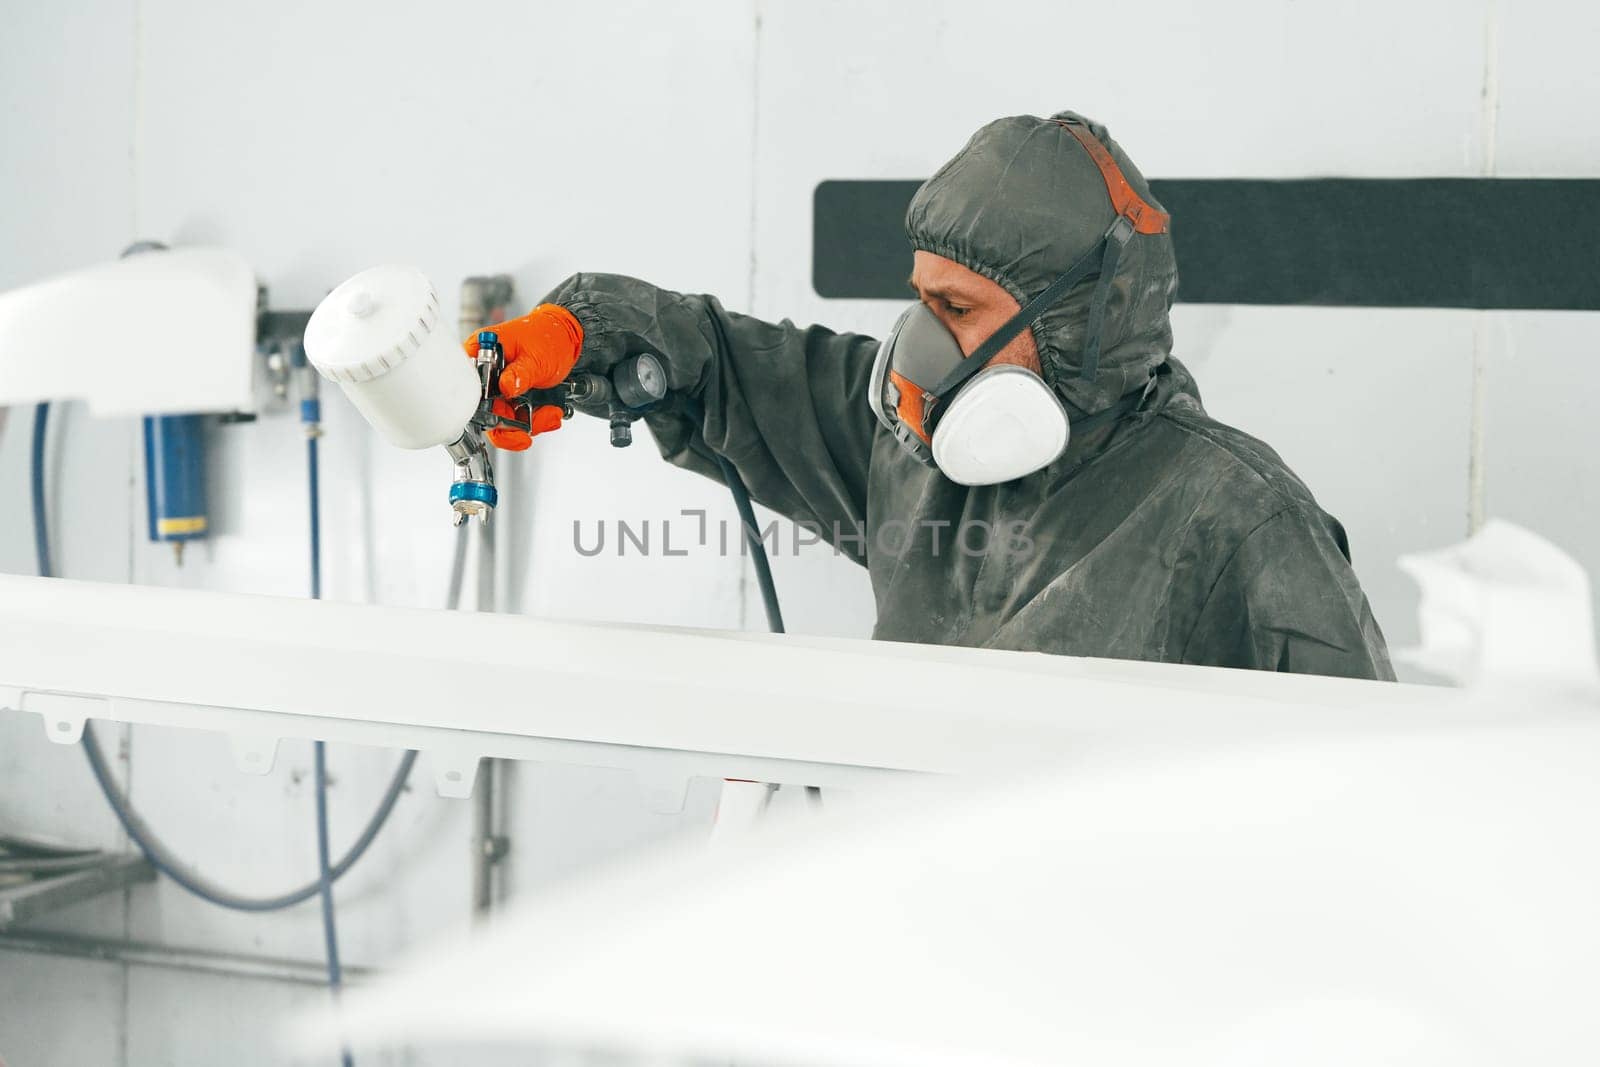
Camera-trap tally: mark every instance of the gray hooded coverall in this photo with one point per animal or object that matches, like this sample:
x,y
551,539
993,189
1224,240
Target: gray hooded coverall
x,y
1163,536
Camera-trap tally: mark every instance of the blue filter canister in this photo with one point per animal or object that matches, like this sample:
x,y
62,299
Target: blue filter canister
x,y
175,478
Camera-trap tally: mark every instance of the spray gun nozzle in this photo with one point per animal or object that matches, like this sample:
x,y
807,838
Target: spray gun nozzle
x,y
472,492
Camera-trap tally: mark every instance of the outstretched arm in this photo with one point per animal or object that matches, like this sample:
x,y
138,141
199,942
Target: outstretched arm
x,y
786,406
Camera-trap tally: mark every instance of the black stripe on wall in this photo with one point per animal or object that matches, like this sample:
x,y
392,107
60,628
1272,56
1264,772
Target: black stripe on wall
x,y
1337,242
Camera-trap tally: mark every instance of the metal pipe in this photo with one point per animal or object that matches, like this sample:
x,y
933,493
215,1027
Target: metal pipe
x,y
486,844
484,301
178,958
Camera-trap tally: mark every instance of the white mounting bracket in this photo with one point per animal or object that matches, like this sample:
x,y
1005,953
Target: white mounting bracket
x,y
252,753
64,714
455,770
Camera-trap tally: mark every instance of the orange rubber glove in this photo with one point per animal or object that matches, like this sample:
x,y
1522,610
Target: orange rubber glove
x,y
540,350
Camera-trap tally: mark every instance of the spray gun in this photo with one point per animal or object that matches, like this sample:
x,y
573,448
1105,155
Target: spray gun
x,y
472,490
379,336
632,388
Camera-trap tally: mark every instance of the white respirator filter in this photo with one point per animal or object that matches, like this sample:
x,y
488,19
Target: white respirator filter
x,y
1004,424
380,336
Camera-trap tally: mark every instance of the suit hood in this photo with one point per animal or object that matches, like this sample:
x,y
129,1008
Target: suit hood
x,y
1019,205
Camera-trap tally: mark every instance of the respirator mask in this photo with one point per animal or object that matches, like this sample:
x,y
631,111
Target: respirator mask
x,y
982,424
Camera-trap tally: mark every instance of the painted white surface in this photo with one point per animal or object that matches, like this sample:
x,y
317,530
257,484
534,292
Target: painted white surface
x,y
681,143
408,678
172,332
1133,908
1508,610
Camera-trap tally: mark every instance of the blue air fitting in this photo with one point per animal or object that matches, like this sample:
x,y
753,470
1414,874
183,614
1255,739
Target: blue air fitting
x,y
474,492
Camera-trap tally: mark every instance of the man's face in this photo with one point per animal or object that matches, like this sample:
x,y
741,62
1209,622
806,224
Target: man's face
x,y
971,307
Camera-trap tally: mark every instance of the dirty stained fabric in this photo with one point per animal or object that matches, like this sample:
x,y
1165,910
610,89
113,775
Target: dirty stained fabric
x,y
1165,536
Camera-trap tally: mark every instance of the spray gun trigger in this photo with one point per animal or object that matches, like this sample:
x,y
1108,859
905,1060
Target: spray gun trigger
x,y
503,423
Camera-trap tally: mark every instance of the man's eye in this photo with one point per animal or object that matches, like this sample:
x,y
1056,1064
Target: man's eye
x,y
956,312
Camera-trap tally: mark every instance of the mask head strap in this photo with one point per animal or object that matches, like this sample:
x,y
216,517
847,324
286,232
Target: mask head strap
x,y
1024,318
1134,215
1116,239
1144,215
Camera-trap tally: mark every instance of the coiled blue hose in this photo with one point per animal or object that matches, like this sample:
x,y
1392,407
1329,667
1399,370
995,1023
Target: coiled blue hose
x,y
144,839
752,539
41,529
311,416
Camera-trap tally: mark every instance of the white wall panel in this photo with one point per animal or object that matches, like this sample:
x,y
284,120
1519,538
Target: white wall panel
x,y
1540,435
66,182
58,1012
230,1019
1541,439
565,818
46,791
490,136
67,79
1546,89
92,524
1245,89
257,838
66,166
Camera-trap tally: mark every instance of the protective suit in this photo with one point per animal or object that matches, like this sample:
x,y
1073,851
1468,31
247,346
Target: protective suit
x,y
1162,536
